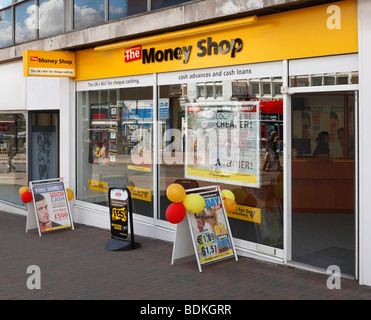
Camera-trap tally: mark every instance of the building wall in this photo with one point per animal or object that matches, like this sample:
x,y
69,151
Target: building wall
x,y
364,36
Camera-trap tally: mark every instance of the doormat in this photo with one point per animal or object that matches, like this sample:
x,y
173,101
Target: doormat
x,y
343,258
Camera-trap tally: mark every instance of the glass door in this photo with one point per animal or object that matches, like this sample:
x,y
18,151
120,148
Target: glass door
x,y
323,180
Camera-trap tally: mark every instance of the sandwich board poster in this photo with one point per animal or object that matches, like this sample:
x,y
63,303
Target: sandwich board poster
x,y
210,230
51,206
207,233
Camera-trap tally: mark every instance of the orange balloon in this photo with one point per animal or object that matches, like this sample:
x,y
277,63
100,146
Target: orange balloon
x,y
23,189
230,205
175,192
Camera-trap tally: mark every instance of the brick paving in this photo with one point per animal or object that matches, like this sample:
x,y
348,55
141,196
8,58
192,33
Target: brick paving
x,y
75,265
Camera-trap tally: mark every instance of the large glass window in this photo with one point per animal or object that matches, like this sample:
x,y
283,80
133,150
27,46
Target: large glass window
x,y
5,28
227,133
158,4
88,13
115,129
25,21
13,160
51,16
120,9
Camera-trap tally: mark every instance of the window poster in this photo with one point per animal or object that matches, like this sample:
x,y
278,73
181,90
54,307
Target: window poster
x,y
222,142
210,230
51,205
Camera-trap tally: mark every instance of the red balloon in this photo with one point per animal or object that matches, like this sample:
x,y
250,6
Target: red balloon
x,y
26,196
176,212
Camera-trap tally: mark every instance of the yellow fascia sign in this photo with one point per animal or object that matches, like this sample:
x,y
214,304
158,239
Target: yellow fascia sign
x,y
49,63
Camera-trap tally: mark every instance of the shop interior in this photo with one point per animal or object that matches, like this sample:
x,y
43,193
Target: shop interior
x,y
323,180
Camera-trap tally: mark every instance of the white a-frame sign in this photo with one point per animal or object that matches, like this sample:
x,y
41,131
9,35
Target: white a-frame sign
x,y
206,234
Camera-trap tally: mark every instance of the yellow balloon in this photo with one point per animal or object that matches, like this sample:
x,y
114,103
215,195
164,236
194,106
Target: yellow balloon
x,y
175,192
230,205
69,194
228,194
194,203
23,189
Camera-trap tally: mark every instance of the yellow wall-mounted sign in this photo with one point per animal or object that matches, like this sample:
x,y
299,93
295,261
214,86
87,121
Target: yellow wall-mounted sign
x,y
49,63
321,30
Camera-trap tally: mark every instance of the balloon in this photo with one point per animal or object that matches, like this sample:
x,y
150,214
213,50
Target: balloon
x,y
240,195
70,194
228,194
251,201
175,192
26,196
175,213
194,203
230,205
23,189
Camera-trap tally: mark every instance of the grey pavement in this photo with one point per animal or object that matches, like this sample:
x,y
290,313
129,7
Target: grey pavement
x,y
74,265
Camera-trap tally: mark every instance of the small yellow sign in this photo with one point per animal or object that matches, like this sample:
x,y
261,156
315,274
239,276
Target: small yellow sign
x,y
140,193
98,185
246,213
49,63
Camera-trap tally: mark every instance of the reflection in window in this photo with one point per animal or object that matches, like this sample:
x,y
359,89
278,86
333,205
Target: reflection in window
x,y
205,141
25,21
88,13
50,17
123,8
5,3
158,4
5,28
115,142
326,79
12,156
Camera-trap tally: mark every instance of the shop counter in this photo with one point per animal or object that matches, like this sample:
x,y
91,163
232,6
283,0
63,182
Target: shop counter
x,y
323,185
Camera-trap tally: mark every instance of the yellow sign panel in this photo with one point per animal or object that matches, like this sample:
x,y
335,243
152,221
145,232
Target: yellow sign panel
x,y
246,213
195,172
98,185
315,31
48,63
140,193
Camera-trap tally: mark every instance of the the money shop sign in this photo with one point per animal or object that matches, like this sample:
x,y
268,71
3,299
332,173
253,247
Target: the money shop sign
x,y
48,63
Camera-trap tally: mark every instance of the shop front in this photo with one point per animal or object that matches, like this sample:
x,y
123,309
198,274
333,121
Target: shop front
x,y
235,104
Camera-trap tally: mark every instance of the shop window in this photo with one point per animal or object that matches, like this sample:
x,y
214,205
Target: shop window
x,y
219,127
114,130
13,156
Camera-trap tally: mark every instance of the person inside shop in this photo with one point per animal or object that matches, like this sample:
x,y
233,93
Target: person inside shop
x,y
43,213
322,149
270,151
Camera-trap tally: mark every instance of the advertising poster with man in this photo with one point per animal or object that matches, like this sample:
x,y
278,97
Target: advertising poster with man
x,y
210,230
51,207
